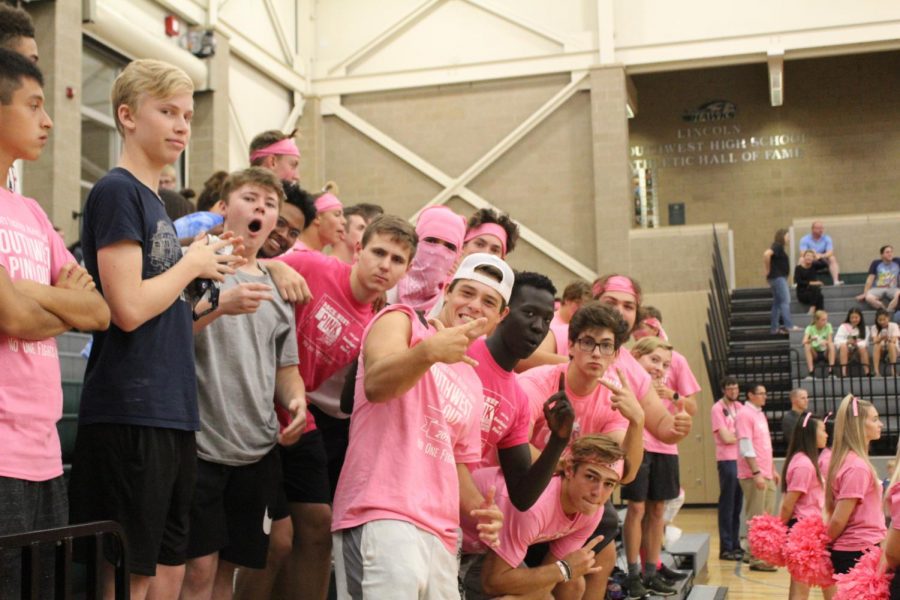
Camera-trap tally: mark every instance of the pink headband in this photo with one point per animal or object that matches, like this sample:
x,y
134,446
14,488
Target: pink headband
x,y
488,229
285,147
655,324
855,406
327,202
442,223
806,419
617,467
825,420
616,283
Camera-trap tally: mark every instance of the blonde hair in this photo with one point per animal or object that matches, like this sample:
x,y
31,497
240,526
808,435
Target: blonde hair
x,y
147,76
252,176
591,448
849,436
649,345
819,314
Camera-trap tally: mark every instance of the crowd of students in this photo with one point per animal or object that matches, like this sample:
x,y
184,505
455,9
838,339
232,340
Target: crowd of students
x,y
278,382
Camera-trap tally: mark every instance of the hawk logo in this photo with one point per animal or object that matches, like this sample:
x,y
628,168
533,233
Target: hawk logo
x,y
716,110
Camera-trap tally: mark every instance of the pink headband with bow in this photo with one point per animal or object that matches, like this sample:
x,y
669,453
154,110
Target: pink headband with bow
x,y
327,202
285,147
488,229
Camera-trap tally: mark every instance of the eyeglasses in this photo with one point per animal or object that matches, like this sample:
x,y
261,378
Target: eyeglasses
x,y
587,344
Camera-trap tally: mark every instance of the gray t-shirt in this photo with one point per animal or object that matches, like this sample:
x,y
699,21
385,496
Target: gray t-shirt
x,y
237,358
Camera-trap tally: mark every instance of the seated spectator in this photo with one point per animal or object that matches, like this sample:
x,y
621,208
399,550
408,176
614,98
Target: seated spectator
x,y
817,342
565,514
885,336
852,340
490,232
820,243
881,284
809,289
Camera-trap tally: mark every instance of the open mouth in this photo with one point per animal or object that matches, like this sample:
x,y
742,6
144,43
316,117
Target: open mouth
x,y
255,225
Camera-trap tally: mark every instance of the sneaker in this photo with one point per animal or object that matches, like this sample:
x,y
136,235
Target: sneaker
x,y
671,575
658,586
761,565
635,587
745,558
730,555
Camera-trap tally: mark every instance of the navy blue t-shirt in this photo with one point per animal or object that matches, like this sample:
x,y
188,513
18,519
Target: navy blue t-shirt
x,y
144,377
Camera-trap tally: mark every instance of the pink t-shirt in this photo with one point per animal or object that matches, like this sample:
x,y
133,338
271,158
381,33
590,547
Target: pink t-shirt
x,y
724,418
561,334
593,413
545,521
679,379
801,477
402,457
505,421
30,381
824,461
752,424
893,501
865,528
330,326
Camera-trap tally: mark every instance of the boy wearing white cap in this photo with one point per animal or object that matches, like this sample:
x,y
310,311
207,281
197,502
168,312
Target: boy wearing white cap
x,y
415,430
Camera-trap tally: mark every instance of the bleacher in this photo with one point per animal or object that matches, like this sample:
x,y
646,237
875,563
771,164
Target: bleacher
x,y
72,365
739,343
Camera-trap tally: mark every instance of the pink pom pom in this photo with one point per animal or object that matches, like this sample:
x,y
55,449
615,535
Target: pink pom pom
x,y
808,558
766,535
867,580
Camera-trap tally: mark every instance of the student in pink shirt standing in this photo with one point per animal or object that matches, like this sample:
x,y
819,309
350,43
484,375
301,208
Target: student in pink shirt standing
x,y
853,490
756,471
413,437
802,484
43,292
723,416
506,421
566,514
329,334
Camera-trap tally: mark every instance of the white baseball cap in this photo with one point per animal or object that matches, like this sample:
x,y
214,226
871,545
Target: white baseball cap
x,y
467,270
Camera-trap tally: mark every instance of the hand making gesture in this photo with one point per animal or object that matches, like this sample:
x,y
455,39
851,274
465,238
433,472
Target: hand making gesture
x,y
449,344
558,411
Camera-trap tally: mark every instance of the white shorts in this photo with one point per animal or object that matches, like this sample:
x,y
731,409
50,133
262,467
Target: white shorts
x,y
393,559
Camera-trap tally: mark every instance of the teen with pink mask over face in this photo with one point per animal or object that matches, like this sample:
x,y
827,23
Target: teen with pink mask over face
x,y
440,232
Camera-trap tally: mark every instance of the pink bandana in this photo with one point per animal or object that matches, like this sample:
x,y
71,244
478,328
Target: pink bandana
x,y
327,202
285,147
656,325
442,223
488,229
617,467
616,283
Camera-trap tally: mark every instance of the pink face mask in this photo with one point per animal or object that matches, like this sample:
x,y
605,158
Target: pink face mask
x,y
427,276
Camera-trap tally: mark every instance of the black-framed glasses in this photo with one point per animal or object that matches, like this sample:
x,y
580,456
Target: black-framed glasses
x,y
587,344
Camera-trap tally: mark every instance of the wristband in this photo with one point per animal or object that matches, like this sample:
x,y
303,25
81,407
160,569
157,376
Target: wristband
x,y
565,570
213,303
755,473
675,396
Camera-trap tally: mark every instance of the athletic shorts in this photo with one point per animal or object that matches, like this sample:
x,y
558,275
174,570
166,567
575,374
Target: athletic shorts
x,y
305,470
30,506
389,558
231,510
142,477
657,479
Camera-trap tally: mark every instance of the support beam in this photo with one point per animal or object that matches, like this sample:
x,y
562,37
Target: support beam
x,y
331,106
536,28
776,76
275,21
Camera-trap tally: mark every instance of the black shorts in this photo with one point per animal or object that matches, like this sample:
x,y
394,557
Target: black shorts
x,y
142,477
305,469
844,560
820,264
657,479
231,510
